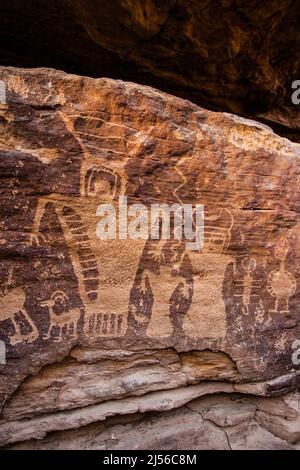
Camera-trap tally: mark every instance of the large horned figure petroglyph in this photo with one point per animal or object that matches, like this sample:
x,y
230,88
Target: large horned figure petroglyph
x,y
103,289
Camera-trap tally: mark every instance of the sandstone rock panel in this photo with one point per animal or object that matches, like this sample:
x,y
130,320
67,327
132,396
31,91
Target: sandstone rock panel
x,y
139,315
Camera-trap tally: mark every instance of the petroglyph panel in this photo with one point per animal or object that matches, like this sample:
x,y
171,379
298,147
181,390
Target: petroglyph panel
x,y
70,147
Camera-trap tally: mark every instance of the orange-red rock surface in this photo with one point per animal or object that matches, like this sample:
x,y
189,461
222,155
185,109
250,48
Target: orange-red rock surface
x,y
148,322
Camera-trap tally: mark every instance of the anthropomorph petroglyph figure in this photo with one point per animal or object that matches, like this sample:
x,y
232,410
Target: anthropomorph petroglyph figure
x,y
103,289
248,283
281,283
163,289
181,289
12,301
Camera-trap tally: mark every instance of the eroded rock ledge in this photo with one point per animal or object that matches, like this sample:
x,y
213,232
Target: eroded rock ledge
x,y
182,342
174,419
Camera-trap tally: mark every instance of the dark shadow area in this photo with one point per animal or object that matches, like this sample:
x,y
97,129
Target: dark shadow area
x,y
235,56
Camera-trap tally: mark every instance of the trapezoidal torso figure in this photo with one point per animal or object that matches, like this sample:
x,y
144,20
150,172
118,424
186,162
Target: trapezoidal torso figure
x,y
281,283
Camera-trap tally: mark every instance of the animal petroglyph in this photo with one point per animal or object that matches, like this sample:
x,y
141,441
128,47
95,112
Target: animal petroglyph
x,y
66,322
281,283
12,301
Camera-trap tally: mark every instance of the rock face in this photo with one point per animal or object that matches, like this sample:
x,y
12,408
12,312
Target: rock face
x,y
95,328
234,55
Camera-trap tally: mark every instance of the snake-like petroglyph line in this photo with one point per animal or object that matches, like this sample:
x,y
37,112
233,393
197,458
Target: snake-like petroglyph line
x,y
102,120
184,178
135,130
111,137
101,149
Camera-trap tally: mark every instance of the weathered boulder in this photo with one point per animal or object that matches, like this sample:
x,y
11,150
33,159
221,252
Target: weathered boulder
x,y
87,320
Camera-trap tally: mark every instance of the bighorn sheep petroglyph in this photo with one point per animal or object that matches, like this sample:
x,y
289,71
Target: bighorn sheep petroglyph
x,y
12,302
66,320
